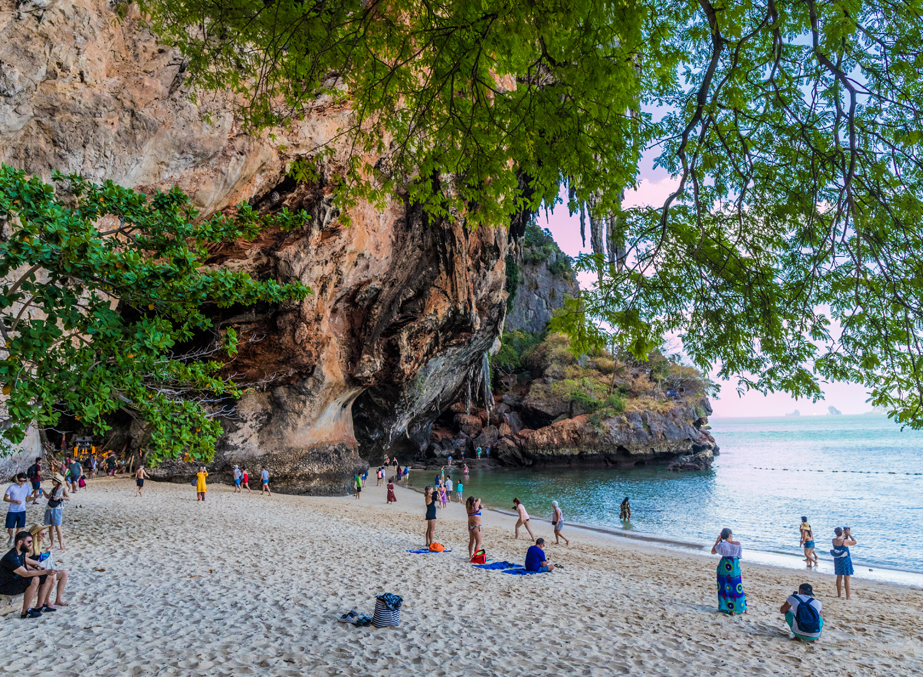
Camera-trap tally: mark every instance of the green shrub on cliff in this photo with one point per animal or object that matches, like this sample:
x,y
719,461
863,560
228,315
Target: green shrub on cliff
x,y
103,291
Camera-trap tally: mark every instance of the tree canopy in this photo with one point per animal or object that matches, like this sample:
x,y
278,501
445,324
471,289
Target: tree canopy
x,y
789,251
104,304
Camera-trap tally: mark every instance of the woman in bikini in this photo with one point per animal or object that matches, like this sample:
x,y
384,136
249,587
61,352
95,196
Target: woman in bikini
x,y
430,498
473,508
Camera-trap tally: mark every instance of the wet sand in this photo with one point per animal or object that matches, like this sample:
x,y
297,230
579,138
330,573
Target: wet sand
x,y
243,584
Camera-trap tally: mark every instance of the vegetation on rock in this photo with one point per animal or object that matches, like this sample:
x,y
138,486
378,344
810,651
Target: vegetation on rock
x,y
104,307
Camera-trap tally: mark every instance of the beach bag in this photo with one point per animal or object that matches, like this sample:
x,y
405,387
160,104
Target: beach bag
x,y
436,547
387,611
195,481
837,553
82,483
480,557
808,618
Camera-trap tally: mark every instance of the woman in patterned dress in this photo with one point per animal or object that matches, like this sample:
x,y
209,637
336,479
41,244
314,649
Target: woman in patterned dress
x,y
731,597
842,560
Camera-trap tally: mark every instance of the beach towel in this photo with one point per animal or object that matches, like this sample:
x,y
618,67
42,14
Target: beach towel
x,y
425,551
498,566
522,572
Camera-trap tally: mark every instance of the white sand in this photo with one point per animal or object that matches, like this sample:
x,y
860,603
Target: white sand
x,y
248,585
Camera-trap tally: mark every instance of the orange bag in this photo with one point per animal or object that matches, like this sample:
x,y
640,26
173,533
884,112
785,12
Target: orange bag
x,y
436,547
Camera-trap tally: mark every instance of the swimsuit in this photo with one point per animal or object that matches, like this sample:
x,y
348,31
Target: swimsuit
x,y
431,510
474,526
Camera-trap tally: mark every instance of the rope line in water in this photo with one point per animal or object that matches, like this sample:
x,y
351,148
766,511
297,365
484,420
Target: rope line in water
x,y
855,472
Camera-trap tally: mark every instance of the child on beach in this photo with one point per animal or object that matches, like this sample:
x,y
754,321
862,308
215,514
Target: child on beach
x,y
391,497
200,486
443,500
140,476
357,480
458,491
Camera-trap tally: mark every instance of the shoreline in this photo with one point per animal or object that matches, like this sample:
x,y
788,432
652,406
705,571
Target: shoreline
x,y
246,584
770,558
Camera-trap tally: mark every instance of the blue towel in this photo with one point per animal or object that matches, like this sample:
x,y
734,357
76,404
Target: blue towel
x,y
497,565
521,572
425,551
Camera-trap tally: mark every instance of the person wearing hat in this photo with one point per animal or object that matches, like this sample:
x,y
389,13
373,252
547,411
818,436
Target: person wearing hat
x,y
238,477
21,575
803,614
54,511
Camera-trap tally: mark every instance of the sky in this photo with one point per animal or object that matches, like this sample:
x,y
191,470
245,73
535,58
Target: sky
x,y
654,187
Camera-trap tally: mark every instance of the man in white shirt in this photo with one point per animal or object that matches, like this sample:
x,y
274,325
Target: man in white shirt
x,y
810,617
238,476
16,495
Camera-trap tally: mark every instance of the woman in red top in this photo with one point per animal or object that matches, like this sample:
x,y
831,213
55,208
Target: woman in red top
x,y
391,497
245,481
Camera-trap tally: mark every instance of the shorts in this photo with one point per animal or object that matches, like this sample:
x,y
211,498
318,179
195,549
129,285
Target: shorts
x,y
458,493
559,525
54,516
17,587
16,520
790,619
237,482
265,482
140,483
809,545
36,485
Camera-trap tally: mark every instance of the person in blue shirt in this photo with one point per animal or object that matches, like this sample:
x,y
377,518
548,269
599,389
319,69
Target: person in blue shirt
x,y
535,558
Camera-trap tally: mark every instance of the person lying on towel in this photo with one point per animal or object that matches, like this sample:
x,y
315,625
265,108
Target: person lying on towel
x,y
535,558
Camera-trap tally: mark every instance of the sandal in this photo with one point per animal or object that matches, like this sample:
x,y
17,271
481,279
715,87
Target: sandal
x,y
45,608
349,617
31,613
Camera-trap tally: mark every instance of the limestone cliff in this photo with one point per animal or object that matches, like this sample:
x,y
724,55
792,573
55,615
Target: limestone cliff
x,y
403,308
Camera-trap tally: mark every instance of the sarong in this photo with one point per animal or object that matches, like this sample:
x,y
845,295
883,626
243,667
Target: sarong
x,y
731,597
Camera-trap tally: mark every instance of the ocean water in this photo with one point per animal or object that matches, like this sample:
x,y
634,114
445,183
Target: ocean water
x,y
856,471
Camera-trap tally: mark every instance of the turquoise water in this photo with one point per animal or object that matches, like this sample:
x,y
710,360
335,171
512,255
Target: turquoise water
x,y
837,470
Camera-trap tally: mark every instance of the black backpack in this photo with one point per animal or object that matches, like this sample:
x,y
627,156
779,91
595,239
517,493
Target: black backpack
x,y
807,617
32,471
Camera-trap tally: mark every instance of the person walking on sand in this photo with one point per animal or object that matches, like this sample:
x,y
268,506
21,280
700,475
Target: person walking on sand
x,y
625,511
430,499
264,481
731,597
391,497
54,511
475,538
523,520
378,476
200,487
557,521
807,542
443,499
140,476
448,488
245,481
34,473
842,560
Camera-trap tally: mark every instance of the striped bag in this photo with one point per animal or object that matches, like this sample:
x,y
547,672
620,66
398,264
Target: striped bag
x,y
387,611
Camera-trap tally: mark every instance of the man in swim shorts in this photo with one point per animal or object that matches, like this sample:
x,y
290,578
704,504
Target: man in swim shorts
x,y
238,477
264,481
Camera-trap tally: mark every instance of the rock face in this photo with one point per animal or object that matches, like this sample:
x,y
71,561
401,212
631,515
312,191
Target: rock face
x,y
403,308
540,292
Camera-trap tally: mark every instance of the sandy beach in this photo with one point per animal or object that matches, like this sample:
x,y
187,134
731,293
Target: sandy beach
x,y
244,584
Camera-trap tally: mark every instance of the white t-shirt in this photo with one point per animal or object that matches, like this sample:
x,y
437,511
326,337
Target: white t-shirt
x,y
237,474
18,493
794,601
726,549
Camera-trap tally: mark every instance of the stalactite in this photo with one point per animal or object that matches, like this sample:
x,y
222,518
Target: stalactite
x,y
583,222
485,378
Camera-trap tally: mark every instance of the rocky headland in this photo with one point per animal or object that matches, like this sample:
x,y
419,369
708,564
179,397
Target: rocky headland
x,y
405,314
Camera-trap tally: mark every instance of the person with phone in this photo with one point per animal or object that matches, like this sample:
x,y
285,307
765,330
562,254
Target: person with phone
x,y
803,614
731,597
842,560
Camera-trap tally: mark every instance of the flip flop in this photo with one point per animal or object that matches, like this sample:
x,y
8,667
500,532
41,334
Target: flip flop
x,y
349,617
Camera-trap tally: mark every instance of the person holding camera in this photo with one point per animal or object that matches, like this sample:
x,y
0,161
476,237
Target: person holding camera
x,y
731,597
802,613
842,560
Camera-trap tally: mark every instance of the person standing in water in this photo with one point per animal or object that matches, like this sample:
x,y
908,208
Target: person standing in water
x,y
557,521
523,520
140,476
473,508
430,499
842,560
625,511
731,597
200,486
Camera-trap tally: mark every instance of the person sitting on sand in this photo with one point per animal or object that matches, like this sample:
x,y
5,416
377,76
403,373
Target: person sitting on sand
x,y
475,537
140,476
44,558
536,559
802,613
21,575
200,486
557,521
391,497
54,510
523,520
625,511
430,499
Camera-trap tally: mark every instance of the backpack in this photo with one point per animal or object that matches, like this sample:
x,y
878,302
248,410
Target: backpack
x,y
436,547
32,471
807,616
480,557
